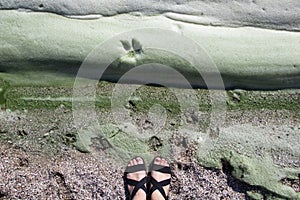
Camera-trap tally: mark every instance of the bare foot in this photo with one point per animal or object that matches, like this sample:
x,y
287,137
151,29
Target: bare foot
x,y
159,176
137,176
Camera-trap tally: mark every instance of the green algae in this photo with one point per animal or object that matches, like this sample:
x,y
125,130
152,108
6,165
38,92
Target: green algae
x,y
261,173
240,57
255,195
247,165
121,142
3,91
246,57
272,100
236,146
40,96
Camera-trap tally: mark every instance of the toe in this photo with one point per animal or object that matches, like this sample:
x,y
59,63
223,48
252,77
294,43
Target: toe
x,y
157,160
165,162
139,160
160,176
131,163
135,162
162,161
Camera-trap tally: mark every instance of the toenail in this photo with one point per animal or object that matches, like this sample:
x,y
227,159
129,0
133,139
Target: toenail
x,y
138,159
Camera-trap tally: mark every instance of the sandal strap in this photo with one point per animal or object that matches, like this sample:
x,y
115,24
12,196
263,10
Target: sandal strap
x,y
159,186
162,169
135,168
137,185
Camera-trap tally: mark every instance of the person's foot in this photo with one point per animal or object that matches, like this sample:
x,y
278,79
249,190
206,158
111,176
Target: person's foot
x,y
163,178
136,172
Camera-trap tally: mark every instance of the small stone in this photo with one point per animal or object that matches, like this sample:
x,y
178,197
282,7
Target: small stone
x,y
22,132
148,124
46,134
189,119
236,97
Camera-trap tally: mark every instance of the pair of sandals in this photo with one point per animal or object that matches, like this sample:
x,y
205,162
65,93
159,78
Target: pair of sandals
x,y
151,182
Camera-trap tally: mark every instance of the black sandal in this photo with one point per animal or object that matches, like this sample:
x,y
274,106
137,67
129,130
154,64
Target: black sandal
x,y
158,185
137,184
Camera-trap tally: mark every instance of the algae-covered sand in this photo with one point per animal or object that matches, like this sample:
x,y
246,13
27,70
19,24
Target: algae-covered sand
x,y
66,135
257,148
246,57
